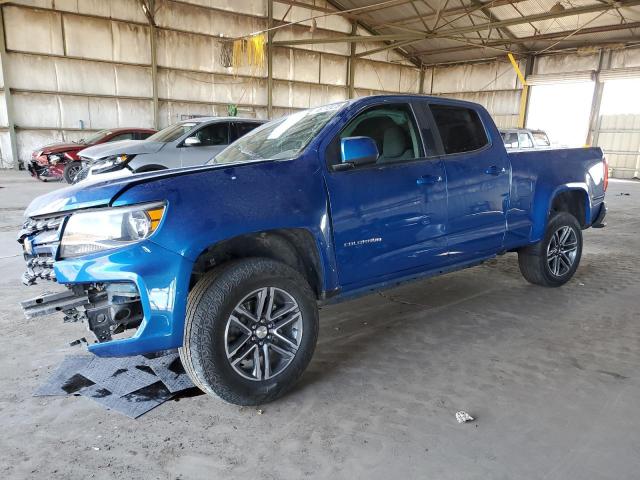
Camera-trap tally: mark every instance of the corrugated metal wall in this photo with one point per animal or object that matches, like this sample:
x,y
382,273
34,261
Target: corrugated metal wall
x,y
619,137
494,85
74,64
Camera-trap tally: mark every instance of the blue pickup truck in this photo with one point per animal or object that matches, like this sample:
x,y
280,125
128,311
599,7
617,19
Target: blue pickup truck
x,y
228,261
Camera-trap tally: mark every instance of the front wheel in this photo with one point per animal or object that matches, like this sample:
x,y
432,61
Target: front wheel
x,y
554,260
250,331
71,169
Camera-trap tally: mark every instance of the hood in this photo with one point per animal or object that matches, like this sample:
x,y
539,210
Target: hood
x,y
102,193
61,148
129,147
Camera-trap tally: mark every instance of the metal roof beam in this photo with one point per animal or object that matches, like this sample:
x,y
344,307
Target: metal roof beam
x,y
599,7
468,29
446,13
534,38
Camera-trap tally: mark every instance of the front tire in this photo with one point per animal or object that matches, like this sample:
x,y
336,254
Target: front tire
x,y
554,260
250,331
71,169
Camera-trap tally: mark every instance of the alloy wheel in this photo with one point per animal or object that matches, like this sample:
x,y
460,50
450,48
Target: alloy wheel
x,y
263,333
562,251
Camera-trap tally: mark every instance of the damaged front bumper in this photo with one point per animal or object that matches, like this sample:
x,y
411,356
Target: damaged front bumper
x,y
132,298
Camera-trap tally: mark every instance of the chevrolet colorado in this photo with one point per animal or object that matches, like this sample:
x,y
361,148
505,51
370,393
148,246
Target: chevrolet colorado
x,y
228,261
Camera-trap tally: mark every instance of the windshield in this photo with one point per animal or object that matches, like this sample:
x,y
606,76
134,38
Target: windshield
x,y
172,132
280,139
95,138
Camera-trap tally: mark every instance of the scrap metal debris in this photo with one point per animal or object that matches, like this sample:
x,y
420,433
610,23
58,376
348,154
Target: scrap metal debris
x,y
464,417
131,385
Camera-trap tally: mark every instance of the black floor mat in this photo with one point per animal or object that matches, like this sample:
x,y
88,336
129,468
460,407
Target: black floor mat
x,y
130,385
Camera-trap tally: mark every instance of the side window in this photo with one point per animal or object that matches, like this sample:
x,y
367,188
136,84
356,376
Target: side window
x,y
541,139
242,128
214,134
525,140
392,127
510,139
460,128
122,136
142,135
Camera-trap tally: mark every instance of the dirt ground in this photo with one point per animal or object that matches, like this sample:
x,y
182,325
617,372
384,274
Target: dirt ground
x,y
551,376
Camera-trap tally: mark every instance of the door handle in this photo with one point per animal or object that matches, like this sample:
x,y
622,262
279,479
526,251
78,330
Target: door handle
x,y
429,179
494,170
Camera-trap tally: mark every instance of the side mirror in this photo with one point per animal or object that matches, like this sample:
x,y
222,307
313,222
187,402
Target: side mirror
x,y
192,142
356,151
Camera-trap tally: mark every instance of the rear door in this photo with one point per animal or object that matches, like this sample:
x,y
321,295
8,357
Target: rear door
x,y
214,137
389,218
478,179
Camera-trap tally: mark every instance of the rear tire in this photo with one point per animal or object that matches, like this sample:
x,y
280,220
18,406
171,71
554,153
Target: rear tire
x,y
227,331
71,169
553,260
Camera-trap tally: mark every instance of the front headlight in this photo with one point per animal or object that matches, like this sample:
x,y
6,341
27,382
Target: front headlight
x,y
93,231
114,162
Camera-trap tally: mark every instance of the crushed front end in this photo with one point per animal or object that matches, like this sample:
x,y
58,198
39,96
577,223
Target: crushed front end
x,y
108,309
129,294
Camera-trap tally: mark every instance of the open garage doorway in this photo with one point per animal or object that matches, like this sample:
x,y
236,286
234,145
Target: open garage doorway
x,y
562,110
618,128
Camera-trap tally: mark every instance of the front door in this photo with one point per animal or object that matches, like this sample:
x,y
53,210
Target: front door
x,y
477,183
213,137
389,218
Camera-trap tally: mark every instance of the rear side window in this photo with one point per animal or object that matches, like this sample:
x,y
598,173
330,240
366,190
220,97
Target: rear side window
x,y
460,128
143,135
510,139
525,140
242,128
541,139
122,136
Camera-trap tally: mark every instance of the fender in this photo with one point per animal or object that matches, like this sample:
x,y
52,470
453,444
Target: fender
x,y
543,201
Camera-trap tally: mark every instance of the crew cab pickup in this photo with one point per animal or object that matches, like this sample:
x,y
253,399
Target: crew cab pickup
x,y
228,261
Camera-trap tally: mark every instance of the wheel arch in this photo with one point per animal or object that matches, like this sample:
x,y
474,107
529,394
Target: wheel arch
x,y
572,198
295,247
149,168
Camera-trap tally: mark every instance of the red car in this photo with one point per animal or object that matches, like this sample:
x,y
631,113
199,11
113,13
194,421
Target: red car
x,y
60,160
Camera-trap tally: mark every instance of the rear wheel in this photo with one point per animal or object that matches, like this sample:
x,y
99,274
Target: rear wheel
x,y
71,169
554,260
250,331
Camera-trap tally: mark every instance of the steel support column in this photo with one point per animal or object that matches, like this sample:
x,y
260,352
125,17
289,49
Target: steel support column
x,y
351,65
13,144
154,77
594,116
528,70
270,47
149,10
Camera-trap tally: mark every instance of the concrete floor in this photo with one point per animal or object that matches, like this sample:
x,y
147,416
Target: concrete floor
x,y
550,374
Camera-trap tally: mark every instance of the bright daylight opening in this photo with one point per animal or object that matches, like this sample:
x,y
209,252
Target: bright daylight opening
x,y
561,110
620,97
